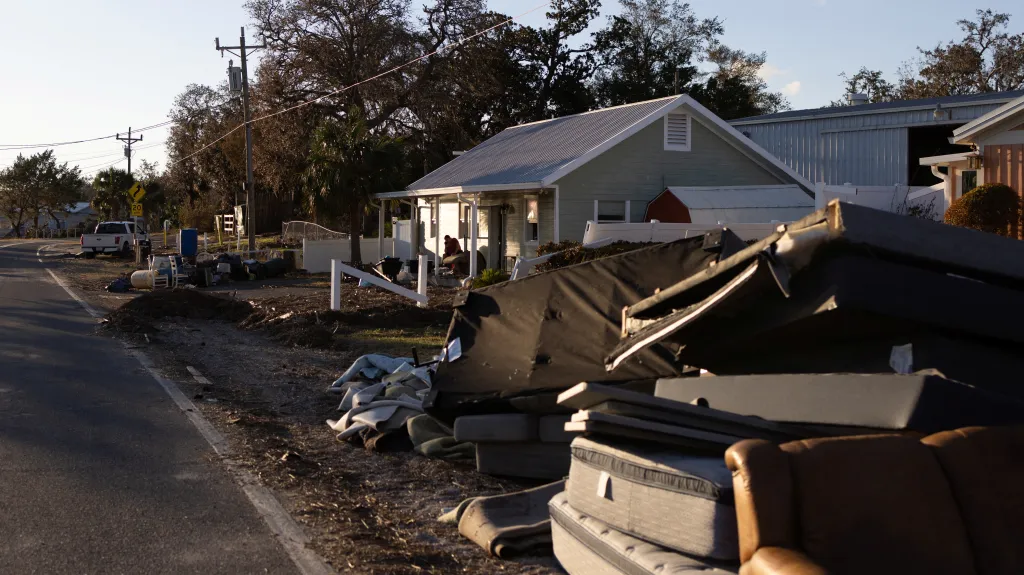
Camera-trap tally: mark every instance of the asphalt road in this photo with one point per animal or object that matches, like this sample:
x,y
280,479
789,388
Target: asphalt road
x,y
100,472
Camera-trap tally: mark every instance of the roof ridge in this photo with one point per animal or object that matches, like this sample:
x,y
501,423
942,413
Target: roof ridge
x,y
534,123
1008,95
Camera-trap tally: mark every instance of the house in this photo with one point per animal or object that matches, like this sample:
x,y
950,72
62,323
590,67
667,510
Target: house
x,y
996,153
73,216
542,182
870,144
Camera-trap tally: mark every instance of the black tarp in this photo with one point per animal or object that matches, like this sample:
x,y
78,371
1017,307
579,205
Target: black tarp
x,y
549,331
837,292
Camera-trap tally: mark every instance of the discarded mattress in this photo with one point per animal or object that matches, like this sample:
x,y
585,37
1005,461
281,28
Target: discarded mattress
x,y
610,425
586,546
844,274
628,403
510,524
499,427
924,402
679,501
534,460
549,331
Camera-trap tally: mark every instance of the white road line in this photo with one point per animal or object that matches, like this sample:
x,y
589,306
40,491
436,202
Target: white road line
x,y
289,533
198,376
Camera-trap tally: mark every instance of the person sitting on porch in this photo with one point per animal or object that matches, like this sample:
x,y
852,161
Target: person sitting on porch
x,y
451,246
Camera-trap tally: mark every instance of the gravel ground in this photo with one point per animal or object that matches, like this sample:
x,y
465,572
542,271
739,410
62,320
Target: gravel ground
x,y
365,512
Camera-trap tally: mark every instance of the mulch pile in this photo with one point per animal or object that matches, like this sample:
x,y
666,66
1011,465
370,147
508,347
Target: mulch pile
x,y
308,321
137,315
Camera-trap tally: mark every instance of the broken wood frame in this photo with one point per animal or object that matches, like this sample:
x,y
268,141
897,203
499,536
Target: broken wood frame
x,y
339,270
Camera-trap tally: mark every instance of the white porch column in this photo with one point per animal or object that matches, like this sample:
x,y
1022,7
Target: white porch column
x,y
380,231
595,211
437,236
414,232
557,211
472,238
627,211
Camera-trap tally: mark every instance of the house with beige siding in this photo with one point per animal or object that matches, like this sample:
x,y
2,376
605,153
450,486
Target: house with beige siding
x,y
542,182
996,153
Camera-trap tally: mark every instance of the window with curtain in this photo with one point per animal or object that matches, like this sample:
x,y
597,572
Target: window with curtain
x,y
532,223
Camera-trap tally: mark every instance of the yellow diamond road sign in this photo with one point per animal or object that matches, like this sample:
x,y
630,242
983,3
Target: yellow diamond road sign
x,y
137,192
137,209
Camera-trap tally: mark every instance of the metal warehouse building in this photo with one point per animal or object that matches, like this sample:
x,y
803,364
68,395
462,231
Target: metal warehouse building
x,y
869,144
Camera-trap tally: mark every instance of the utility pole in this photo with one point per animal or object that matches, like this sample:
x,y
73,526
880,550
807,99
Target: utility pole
x,y
250,189
128,149
129,140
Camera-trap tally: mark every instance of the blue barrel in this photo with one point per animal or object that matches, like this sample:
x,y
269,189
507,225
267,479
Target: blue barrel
x,y
188,242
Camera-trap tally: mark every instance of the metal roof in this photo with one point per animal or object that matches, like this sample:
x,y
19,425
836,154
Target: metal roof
x,y
709,198
530,152
883,107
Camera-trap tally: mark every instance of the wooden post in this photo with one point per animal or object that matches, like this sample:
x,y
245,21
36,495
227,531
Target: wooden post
x,y
421,281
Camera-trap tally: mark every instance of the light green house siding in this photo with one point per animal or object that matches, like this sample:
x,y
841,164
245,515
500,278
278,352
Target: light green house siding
x,y
639,168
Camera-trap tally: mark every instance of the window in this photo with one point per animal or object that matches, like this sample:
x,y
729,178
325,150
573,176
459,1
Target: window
x,y
532,225
610,211
677,132
110,228
968,181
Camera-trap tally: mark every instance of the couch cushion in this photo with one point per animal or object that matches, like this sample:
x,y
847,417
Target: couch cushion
x,y
876,504
985,468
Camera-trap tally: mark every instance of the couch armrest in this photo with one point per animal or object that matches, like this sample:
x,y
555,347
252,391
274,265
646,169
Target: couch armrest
x,y
781,561
763,490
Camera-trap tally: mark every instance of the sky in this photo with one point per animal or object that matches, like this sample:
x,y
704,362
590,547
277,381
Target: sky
x,y
77,69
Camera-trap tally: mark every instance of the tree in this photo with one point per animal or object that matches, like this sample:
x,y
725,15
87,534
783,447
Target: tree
x,y
986,59
870,83
63,189
35,185
111,199
348,163
643,49
154,203
561,72
734,89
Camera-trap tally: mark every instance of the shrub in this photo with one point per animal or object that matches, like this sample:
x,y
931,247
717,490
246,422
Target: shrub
x,y
573,253
489,277
993,208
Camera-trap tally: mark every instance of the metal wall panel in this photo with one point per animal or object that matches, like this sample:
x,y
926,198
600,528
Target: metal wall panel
x,y
867,150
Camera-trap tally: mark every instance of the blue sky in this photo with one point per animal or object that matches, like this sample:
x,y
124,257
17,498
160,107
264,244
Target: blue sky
x,y
82,68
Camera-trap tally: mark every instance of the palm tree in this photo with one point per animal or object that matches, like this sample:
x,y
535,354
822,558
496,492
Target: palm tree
x,y
348,164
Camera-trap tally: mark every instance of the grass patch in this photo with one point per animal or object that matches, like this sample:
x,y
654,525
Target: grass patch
x,y
426,339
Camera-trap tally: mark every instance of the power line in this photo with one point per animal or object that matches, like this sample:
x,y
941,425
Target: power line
x,y
6,147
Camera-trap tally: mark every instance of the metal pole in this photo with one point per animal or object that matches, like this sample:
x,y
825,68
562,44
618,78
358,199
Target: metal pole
x,y
250,191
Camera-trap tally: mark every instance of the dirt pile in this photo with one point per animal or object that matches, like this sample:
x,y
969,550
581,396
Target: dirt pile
x,y
137,315
307,320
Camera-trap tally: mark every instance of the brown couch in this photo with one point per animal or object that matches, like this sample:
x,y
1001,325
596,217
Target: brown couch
x,y
951,503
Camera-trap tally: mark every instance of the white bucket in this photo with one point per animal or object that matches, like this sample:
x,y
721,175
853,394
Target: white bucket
x,y
142,279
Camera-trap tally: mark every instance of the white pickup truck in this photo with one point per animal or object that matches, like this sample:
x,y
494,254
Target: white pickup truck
x,y
113,238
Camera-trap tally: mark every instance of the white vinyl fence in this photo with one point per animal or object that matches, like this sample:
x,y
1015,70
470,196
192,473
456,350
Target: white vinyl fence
x,y
317,255
925,201
661,232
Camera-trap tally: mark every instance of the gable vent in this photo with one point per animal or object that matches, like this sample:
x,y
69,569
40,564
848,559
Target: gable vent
x,y
677,132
